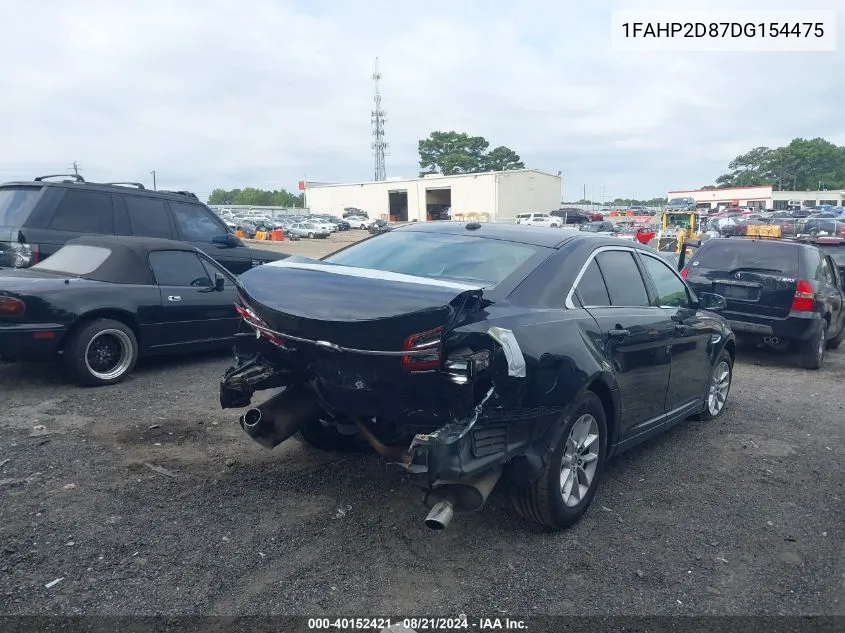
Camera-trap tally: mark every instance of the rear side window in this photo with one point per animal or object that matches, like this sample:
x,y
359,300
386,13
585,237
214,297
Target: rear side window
x,y
148,217
195,223
625,285
179,268
75,259
731,255
84,212
16,203
591,290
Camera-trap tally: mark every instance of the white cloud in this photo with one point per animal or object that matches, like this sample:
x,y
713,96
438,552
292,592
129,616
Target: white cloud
x,y
262,92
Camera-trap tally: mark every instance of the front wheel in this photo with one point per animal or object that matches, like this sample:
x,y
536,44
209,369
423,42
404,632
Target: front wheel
x,y
310,236
718,388
565,489
102,352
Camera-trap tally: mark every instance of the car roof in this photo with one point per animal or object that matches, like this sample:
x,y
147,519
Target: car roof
x,y
128,262
524,234
126,188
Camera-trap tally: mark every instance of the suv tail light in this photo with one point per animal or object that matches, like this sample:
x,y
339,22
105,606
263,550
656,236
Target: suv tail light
x,y
24,255
805,298
9,306
427,346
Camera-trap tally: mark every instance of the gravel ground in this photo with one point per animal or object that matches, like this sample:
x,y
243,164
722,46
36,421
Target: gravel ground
x,y
743,515
313,248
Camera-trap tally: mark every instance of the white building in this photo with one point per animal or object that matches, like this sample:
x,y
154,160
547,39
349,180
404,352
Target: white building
x,y
486,197
762,197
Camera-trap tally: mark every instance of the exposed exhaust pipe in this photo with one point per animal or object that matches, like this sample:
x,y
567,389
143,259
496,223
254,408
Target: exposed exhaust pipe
x,y
440,516
280,417
465,496
771,340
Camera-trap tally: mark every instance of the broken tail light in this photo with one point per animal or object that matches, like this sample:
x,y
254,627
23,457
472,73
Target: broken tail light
x,y
9,306
427,347
805,297
256,322
461,368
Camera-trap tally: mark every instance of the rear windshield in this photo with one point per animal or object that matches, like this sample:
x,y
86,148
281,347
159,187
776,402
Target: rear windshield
x,y
16,203
737,254
440,256
75,259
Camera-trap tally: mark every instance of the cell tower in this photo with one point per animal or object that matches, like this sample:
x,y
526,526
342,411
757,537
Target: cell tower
x,y
377,119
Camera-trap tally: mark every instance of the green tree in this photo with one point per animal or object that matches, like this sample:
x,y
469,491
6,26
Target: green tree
x,y
256,197
453,152
803,164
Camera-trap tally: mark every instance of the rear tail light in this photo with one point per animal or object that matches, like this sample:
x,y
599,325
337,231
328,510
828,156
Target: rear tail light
x,y
462,368
805,298
25,255
9,306
252,319
684,272
426,346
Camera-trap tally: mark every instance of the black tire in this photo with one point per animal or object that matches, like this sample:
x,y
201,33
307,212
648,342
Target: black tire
x,y
836,341
310,236
542,502
711,412
93,344
811,351
325,436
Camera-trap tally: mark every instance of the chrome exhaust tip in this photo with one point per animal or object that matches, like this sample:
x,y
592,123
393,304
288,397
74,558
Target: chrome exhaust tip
x,y
252,422
440,516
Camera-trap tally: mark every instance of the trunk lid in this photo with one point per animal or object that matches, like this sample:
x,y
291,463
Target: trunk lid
x,y
355,308
757,277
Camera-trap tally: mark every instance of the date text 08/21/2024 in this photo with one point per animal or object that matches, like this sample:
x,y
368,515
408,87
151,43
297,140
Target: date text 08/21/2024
x,y
723,29
415,624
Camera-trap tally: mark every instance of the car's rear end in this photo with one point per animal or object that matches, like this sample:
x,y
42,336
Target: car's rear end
x,y
17,202
767,284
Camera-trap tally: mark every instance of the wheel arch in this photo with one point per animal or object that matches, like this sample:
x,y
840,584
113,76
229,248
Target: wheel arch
x,y
602,386
116,314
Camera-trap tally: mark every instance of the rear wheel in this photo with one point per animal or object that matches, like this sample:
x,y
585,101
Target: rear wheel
x,y
564,491
310,236
102,352
811,351
836,341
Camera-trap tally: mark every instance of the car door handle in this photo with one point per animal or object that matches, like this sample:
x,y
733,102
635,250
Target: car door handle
x,y
174,298
618,333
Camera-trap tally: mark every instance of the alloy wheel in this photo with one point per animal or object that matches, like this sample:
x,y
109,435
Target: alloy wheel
x,y
580,460
108,354
720,383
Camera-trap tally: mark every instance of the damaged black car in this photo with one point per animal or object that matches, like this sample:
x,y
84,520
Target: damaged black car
x,y
473,354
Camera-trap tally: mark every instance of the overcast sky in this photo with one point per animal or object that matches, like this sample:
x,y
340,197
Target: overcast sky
x,y
233,93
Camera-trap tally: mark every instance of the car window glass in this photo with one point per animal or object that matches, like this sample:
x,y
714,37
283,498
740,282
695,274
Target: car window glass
x,y
671,291
624,283
195,223
148,217
84,212
213,269
592,290
179,268
75,259
827,272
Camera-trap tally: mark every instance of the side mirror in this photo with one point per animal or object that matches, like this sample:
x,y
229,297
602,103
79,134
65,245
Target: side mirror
x,y
712,302
219,282
228,240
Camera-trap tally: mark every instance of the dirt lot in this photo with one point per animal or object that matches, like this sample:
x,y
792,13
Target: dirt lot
x,y
146,498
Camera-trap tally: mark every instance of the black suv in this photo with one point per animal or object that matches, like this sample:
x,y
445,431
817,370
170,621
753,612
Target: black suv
x,y
38,217
781,293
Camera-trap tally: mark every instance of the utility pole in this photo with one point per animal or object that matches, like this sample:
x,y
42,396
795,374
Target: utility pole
x,y
585,193
603,197
377,119
75,168
153,172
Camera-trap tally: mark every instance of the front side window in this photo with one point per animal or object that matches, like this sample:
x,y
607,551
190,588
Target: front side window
x,y
84,212
671,291
179,268
195,224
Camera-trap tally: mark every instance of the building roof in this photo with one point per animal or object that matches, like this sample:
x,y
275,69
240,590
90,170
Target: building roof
x,y
427,178
717,189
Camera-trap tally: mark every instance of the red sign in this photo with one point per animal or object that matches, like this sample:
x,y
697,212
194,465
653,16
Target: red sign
x,y
302,185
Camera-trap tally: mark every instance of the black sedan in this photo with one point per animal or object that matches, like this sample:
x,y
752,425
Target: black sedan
x,y
101,302
468,352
